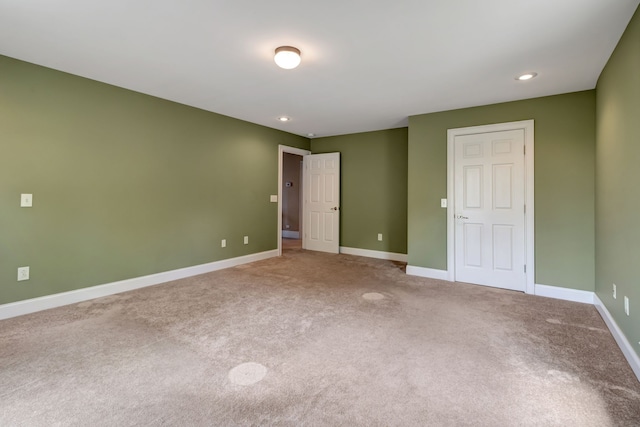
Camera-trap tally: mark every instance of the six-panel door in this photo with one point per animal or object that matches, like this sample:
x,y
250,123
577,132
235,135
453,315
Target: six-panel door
x,y
489,209
322,202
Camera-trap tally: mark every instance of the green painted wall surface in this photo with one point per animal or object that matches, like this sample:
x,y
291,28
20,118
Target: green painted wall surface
x,y
618,182
124,184
373,188
564,183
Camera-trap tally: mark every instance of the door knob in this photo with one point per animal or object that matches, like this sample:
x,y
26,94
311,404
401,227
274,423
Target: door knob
x,y
461,217
335,208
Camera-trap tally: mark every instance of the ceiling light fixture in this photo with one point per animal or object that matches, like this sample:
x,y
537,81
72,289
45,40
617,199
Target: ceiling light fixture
x,y
287,57
311,135
526,76
284,119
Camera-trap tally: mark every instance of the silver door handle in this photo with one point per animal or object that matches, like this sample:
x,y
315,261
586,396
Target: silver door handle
x,y
461,217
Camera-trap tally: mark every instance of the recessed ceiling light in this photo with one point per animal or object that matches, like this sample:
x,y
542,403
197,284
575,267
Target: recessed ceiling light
x,y
284,119
287,57
311,135
526,76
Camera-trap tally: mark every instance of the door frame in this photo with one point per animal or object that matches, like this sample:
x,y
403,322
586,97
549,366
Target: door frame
x,y
529,217
281,150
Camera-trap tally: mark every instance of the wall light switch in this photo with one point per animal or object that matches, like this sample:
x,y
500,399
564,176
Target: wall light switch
x,y
615,291
26,200
246,240
274,198
380,237
443,203
223,243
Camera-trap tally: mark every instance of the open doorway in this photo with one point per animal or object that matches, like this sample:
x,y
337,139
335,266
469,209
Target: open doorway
x,y
290,197
291,201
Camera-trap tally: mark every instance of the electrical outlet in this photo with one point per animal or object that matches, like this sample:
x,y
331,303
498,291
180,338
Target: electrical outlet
x,y
443,203
246,240
379,237
223,243
23,273
615,294
626,305
26,200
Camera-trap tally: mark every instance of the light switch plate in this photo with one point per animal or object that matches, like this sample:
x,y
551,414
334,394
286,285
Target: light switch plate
x,y
26,200
274,198
246,240
223,243
443,203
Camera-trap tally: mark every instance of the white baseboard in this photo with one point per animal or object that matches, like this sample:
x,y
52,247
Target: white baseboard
x,y
430,273
288,234
564,293
57,300
374,254
618,335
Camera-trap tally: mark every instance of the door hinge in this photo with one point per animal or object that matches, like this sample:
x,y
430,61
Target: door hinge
x,y
525,268
525,208
524,150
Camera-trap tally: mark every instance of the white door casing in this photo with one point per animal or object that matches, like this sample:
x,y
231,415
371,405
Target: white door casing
x,y
490,213
281,150
321,224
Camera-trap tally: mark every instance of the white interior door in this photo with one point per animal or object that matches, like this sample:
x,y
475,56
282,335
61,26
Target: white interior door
x,y
321,224
489,205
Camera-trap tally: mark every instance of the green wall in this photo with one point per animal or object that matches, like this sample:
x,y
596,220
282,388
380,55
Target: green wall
x,y
618,182
373,188
564,183
124,184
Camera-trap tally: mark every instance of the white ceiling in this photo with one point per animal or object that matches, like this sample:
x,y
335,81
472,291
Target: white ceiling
x,y
366,64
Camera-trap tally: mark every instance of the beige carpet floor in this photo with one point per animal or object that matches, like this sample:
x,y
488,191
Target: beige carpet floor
x,y
291,341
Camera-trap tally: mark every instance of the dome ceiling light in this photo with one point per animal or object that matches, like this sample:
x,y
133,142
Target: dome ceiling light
x,y
287,57
526,76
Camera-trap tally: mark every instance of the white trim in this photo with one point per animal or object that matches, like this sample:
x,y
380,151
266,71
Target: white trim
x,y
281,150
624,344
393,256
528,127
566,294
65,298
428,272
288,234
